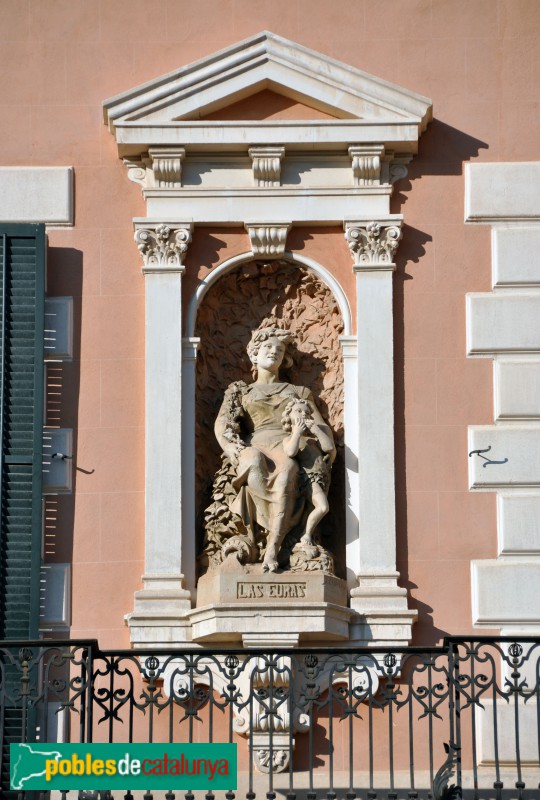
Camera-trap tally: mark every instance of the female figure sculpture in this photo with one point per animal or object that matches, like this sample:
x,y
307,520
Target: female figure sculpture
x,y
279,447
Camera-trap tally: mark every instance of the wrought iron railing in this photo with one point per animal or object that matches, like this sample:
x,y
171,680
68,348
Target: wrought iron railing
x,y
459,720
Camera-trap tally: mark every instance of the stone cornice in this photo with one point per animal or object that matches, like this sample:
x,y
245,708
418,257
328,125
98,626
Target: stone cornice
x,y
163,246
172,108
373,243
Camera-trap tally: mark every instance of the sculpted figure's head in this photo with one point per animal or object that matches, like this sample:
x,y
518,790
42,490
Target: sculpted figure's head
x,y
297,410
270,347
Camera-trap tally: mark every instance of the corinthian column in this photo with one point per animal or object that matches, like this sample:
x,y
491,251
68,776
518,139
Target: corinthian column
x,y
161,607
380,602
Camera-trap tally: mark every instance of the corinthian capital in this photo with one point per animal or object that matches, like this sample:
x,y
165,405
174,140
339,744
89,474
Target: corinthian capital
x,y
373,244
163,247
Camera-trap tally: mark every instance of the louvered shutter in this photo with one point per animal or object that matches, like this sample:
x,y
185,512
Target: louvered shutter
x,y
22,258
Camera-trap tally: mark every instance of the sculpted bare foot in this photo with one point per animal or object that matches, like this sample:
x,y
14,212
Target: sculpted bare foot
x,y
306,539
270,566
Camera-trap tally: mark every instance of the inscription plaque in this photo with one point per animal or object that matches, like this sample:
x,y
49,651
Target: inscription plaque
x,y
251,590
260,588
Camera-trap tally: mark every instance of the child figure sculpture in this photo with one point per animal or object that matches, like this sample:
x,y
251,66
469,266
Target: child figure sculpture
x,y
280,448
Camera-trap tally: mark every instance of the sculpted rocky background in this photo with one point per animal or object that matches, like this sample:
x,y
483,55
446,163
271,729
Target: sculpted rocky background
x,y
231,310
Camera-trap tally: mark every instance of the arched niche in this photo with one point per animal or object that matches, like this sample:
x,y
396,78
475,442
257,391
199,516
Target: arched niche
x,y
242,295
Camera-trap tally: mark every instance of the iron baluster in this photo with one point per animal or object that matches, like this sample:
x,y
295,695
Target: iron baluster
x,y
412,792
498,784
89,654
271,709
473,727
85,696
251,793
515,651
390,662
330,795
457,712
430,725
232,663
372,794
291,712
311,794
351,794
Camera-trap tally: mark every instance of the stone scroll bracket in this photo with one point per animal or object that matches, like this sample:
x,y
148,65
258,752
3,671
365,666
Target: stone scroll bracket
x,y
161,168
377,598
266,165
268,239
372,165
160,608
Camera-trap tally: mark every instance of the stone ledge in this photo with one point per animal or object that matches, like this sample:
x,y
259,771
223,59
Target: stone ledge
x,y
228,622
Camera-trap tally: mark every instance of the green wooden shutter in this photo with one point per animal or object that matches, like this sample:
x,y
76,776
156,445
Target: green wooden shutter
x,y
22,259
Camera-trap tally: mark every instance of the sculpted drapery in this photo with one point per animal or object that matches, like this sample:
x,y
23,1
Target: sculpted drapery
x,y
278,456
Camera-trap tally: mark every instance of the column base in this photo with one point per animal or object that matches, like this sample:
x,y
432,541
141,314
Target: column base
x,y
160,616
383,617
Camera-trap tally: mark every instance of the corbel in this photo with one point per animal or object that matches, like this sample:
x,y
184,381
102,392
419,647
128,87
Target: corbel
x,y
366,164
268,239
167,166
266,164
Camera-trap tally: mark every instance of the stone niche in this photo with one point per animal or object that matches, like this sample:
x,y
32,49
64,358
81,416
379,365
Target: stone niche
x,y
200,164
296,598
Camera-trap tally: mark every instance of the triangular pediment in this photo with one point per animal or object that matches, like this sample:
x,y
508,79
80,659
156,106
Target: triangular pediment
x,y
267,104
264,63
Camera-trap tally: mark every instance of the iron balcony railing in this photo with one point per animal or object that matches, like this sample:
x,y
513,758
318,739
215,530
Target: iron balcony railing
x,y
461,720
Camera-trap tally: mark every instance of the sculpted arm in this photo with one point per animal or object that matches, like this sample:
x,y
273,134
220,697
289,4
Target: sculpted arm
x,y
320,429
227,427
292,443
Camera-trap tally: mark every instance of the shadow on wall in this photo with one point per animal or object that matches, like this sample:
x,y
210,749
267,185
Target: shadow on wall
x,y
62,383
442,151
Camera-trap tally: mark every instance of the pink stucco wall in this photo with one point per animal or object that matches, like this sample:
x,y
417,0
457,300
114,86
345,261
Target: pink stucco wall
x,y
479,62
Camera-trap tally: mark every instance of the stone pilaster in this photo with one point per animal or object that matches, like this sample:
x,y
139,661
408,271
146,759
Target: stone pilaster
x,y
159,615
379,600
